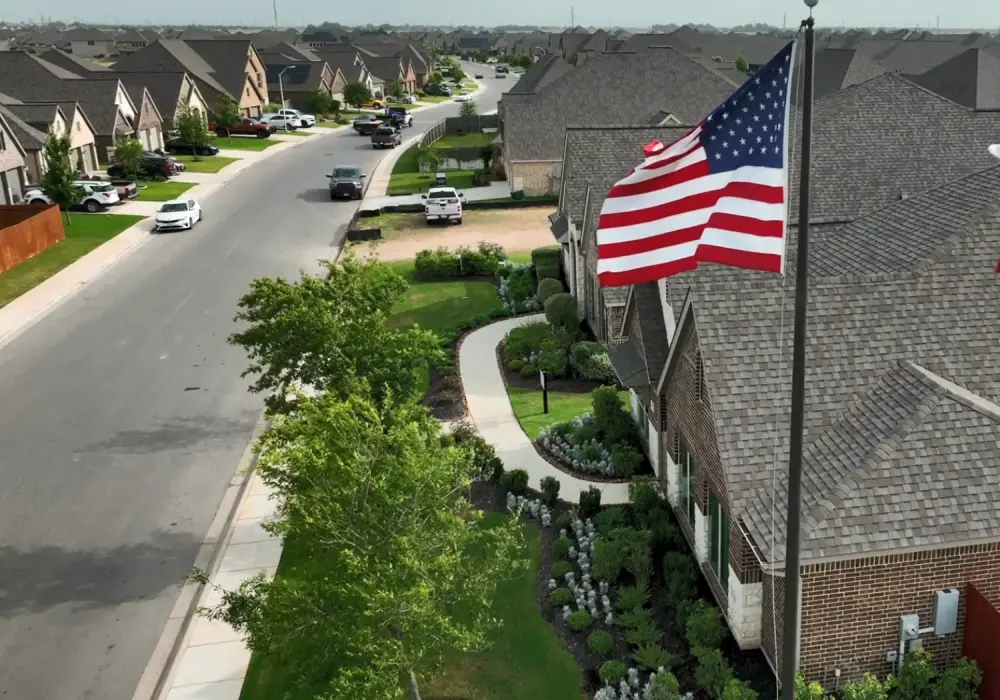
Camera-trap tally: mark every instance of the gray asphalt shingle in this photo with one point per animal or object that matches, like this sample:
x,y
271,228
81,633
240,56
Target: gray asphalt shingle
x,y
971,79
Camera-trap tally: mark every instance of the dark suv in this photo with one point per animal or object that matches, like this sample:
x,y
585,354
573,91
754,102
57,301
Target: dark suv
x,y
347,182
152,167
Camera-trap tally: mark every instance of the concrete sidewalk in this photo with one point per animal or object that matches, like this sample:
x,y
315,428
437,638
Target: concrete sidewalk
x,y
490,410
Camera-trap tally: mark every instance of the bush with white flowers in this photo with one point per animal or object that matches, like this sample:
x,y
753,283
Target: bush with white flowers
x,y
633,688
530,507
508,297
585,455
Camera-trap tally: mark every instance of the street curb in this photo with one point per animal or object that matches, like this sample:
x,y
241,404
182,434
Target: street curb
x,y
161,664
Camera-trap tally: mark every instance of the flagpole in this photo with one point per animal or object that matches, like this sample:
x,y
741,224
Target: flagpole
x,y
790,639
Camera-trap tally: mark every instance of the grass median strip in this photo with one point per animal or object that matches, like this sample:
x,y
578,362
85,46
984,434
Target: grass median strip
x,y
245,143
477,140
205,164
162,191
86,232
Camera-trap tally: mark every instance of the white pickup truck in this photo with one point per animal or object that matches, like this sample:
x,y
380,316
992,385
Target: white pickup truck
x,y
443,204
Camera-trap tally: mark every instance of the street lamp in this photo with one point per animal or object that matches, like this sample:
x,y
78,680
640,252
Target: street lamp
x,y
281,89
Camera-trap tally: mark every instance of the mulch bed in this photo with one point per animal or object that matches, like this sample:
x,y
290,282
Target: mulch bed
x,y
749,666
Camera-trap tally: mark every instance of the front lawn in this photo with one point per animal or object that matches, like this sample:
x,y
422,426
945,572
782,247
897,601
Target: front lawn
x,y
205,164
244,143
435,99
162,191
563,406
395,225
477,139
87,232
330,124
419,183
526,660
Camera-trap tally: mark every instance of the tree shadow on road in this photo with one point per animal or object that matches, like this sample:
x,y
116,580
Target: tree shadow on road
x,y
177,434
35,580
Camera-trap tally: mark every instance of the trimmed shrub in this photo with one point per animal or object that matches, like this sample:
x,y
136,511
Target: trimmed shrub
x,y
550,490
552,359
644,635
625,460
609,519
645,495
738,690
600,642
590,360
524,341
633,597
564,520
705,627
608,559
713,673
435,264
560,548
612,672
515,481
590,502
546,262
580,621
680,578
653,656
561,597
561,311
560,569
520,286
612,419
664,686
547,287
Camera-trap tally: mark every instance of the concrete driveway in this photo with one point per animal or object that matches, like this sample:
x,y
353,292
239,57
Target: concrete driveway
x,y
124,416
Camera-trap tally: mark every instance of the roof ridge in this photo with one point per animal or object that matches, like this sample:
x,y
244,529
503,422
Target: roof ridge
x,y
961,395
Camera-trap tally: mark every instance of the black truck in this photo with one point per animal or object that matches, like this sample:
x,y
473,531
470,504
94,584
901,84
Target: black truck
x,y
386,137
346,182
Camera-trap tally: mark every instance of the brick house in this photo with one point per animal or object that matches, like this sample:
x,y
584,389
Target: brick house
x,y
611,88
903,384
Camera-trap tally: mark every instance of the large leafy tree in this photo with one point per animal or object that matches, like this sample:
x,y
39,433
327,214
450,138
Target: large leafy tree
x,y
398,569
357,94
332,331
191,129
319,102
59,178
129,152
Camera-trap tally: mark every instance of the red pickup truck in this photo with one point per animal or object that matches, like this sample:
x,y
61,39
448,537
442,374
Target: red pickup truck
x,y
244,127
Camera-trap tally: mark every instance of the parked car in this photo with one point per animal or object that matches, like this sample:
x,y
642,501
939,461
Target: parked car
x,y
152,167
479,76
404,99
374,104
386,137
463,97
443,204
282,122
244,127
95,195
347,182
177,214
492,59
127,189
177,146
176,165
306,119
437,89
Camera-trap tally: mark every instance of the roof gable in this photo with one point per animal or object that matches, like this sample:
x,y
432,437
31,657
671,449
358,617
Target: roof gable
x,y
971,79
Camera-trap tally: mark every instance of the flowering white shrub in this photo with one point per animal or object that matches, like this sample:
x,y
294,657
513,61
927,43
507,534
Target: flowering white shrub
x,y
530,507
586,456
511,306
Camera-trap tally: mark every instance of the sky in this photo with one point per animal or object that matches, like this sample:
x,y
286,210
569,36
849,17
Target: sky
x,y
956,14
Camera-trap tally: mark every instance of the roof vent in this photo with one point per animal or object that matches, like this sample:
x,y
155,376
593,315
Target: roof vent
x,y
902,196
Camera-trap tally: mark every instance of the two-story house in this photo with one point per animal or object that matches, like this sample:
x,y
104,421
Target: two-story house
x,y
34,122
88,42
12,174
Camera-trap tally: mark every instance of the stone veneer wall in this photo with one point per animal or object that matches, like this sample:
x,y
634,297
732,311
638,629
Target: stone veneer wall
x,y
536,178
744,611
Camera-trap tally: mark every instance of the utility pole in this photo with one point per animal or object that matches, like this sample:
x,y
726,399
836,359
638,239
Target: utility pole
x,y
572,17
274,6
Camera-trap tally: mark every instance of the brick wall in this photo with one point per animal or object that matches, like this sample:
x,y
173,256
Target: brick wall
x,y
850,610
536,178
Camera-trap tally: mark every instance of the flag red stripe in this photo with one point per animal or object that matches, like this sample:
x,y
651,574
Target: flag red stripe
x,y
639,275
764,194
765,262
671,159
719,220
661,182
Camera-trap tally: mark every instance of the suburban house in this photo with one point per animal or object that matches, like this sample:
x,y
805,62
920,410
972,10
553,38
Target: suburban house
x,y
970,78
86,42
319,38
73,63
12,176
230,67
39,119
902,392
653,87
350,64
837,69
406,52
168,92
265,38
391,69
129,40
36,42
547,69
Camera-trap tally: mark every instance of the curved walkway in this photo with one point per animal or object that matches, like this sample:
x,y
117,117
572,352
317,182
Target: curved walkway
x,y
490,410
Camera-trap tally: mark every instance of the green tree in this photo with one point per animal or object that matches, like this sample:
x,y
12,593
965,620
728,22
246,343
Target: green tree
x,y
332,331
273,107
319,102
59,178
868,688
458,74
742,66
129,152
191,129
397,88
435,78
357,94
520,60
399,571
227,115
428,158
467,109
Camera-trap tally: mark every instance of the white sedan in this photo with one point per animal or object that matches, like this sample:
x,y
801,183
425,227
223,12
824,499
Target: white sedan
x,y
306,119
177,214
463,97
281,122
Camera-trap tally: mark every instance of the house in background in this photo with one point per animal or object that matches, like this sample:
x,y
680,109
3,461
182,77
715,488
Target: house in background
x,y
12,173
73,63
87,42
389,70
129,39
44,118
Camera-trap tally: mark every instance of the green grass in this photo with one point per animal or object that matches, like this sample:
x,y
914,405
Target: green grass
x,y
396,225
294,133
563,406
525,661
443,306
162,191
419,183
205,164
87,232
244,143
330,124
433,98
478,140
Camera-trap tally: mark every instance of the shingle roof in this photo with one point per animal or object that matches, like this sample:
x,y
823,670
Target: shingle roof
x,y
164,88
913,57
29,137
297,76
651,342
630,368
174,56
544,71
913,282
228,61
87,34
611,88
972,79
387,68
38,116
77,65
344,62
836,69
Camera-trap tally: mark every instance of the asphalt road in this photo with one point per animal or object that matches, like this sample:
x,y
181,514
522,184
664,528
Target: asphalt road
x,y
123,417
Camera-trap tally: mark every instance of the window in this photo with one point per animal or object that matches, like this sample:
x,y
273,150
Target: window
x,y
688,473
719,546
700,386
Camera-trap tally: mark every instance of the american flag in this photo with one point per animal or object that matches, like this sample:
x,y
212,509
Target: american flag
x,y
716,195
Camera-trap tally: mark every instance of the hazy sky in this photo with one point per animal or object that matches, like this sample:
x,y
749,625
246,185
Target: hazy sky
x,y
640,13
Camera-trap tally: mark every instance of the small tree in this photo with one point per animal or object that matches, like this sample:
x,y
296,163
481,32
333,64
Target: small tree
x,y
191,129
396,87
435,78
458,74
319,102
428,158
227,115
357,94
742,66
467,109
129,152
273,107
59,180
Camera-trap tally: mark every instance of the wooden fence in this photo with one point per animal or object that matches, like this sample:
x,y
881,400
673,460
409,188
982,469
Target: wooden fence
x,y
982,641
26,230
